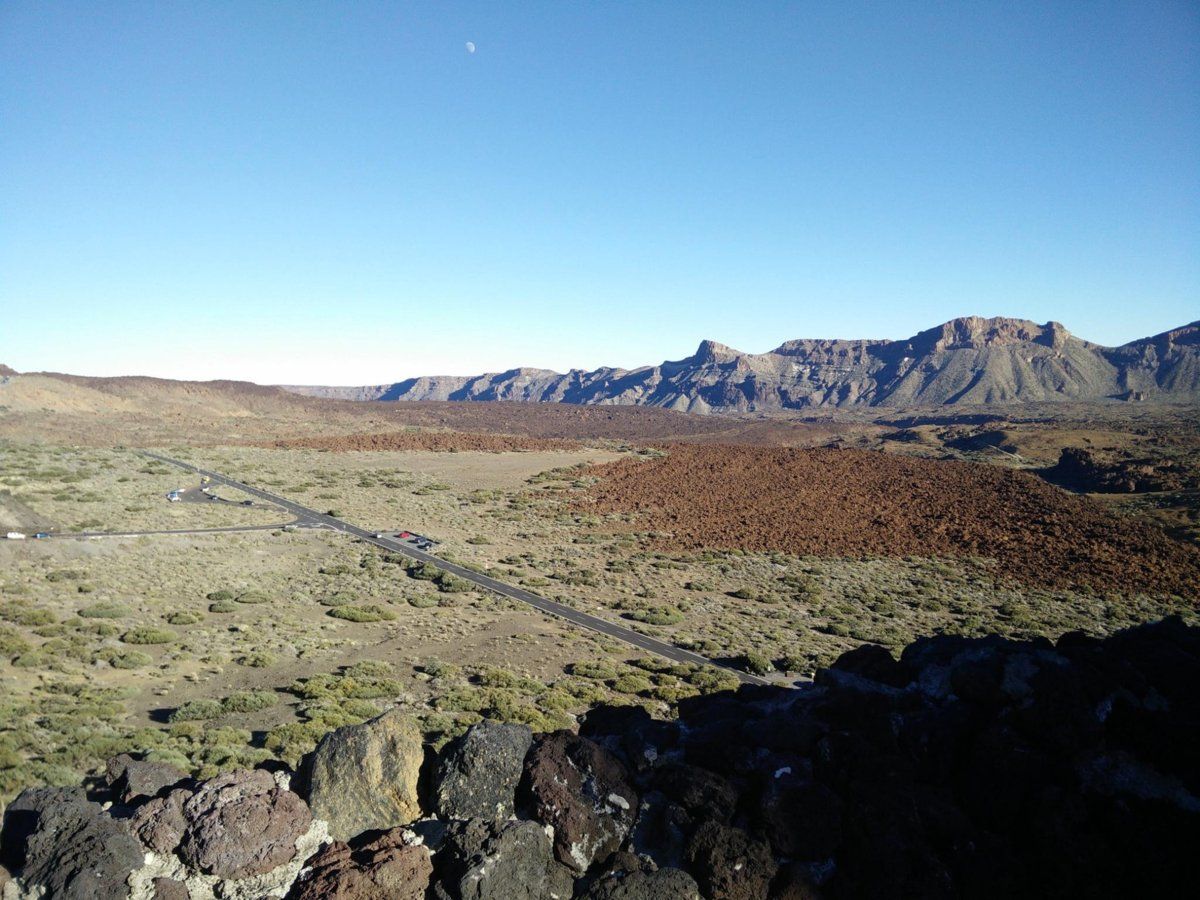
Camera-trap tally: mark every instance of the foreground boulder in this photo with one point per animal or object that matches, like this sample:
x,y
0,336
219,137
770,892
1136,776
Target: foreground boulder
x,y
160,823
364,777
242,824
583,791
132,780
73,850
515,861
967,768
478,775
386,867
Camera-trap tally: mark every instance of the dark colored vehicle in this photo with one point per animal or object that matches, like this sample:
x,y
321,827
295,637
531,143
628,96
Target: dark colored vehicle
x,y
247,503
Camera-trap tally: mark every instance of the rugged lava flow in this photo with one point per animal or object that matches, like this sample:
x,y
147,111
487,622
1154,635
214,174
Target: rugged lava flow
x,y
861,503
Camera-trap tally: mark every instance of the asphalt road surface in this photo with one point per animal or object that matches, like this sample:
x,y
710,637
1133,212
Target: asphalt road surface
x,y
224,530
311,518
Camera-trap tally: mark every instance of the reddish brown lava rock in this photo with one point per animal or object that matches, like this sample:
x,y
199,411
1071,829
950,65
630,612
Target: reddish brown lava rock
x,y
584,792
862,503
385,867
241,824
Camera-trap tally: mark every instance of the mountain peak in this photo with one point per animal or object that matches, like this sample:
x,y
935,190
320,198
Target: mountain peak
x,y
967,361
5,370
976,332
714,351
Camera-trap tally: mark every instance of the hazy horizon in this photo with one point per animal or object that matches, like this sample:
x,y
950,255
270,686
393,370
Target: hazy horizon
x,y
117,372
349,195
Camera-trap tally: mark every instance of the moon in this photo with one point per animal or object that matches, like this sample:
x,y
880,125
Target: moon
x,y
470,46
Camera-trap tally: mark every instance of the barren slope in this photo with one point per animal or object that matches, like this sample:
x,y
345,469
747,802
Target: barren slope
x,y
860,503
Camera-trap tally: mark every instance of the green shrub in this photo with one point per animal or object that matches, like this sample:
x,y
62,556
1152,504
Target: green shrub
x,y
259,660
341,598
599,670
222,606
129,659
631,683
219,596
11,642
452,584
197,711
370,668
184,617
293,741
252,597
105,610
423,601
435,668
248,701
656,615
371,613
64,575
757,664
147,634
20,613
423,571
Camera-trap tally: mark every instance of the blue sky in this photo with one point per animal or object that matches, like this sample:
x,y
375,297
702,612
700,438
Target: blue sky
x,y
340,193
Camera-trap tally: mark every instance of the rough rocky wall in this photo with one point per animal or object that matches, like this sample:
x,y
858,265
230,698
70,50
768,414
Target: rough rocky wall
x,y
971,360
967,768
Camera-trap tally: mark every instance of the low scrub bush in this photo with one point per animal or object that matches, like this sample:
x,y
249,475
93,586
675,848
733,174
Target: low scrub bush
x,y
372,613
105,611
147,634
197,711
248,701
260,659
656,615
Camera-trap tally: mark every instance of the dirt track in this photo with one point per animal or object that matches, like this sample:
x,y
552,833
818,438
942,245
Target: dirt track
x,y
861,503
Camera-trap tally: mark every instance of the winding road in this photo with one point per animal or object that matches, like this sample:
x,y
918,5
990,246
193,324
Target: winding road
x,y
311,518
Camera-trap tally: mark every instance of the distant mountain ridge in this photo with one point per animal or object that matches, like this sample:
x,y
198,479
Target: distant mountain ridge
x,y
967,361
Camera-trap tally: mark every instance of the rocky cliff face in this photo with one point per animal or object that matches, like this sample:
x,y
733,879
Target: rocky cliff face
x,y
967,361
967,768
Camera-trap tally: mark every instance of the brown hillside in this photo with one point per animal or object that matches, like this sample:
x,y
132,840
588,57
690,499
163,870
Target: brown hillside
x,y
859,503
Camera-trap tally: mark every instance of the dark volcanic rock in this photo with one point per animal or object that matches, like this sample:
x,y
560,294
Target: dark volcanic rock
x,y
801,820
21,819
583,791
665,884
242,824
705,795
77,852
160,823
133,779
482,861
478,775
970,768
385,868
729,864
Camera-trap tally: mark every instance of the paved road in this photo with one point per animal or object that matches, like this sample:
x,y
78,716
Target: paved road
x,y
226,529
311,518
